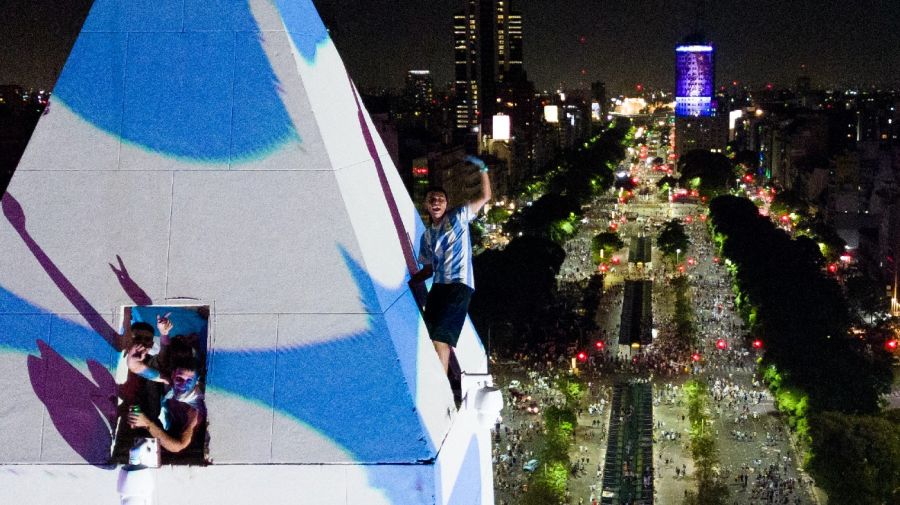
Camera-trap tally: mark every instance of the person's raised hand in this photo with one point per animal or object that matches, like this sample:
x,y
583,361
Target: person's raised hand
x,y
164,324
138,352
478,162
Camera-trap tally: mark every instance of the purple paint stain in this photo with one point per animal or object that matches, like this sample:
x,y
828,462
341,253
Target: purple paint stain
x,y
412,265
385,187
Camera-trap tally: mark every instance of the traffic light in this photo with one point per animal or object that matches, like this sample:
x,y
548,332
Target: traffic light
x,y
695,357
599,345
582,356
890,345
757,344
721,344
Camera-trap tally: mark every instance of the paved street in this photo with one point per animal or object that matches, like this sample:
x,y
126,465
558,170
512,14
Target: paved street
x,y
757,459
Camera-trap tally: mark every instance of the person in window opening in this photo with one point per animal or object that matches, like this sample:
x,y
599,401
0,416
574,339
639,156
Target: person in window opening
x,y
445,251
139,359
144,384
182,409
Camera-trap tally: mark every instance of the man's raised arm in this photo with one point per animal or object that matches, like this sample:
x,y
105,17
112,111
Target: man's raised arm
x,y
476,205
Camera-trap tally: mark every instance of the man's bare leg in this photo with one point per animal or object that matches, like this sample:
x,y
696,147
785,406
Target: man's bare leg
x,y
443,352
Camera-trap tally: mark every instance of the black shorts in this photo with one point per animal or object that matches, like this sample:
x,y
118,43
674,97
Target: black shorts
x,y
445,311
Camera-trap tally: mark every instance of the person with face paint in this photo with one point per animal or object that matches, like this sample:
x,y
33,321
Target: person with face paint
x,y
182,409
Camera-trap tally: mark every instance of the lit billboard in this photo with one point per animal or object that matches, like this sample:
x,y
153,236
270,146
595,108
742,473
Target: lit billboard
x,y
501,127
551,113
733,117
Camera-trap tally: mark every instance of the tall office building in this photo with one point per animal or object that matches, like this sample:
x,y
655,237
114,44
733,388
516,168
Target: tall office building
x,y
510,61
466,76
694,77
419,91
698,124
488,49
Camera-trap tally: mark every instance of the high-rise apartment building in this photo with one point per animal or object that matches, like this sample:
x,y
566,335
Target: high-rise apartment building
x,y
487,38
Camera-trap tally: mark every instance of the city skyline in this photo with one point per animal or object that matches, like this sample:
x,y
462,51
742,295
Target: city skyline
x,y
566,44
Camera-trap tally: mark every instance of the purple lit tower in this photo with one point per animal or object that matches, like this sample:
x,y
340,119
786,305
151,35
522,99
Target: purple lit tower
x,y
694,78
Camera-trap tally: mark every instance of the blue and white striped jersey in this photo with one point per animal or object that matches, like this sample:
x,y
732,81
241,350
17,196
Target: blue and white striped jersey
x,y
447,247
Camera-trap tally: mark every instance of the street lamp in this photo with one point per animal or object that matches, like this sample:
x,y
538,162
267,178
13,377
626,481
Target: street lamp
x,y
677,252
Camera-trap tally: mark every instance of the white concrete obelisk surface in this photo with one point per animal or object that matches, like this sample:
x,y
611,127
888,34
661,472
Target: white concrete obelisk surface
x,y
212,156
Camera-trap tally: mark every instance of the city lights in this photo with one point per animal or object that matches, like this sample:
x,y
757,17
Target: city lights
x,y
593,229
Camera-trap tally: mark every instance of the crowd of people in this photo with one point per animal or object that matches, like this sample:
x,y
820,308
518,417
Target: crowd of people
x,y
755,448
750,440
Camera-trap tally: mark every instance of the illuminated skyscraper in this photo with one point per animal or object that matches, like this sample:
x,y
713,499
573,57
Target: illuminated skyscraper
x,y
465,37
697,124
419,91
511,62
487,39
694,78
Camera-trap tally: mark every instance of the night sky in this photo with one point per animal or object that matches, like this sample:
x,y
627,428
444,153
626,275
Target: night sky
x,y
625,42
